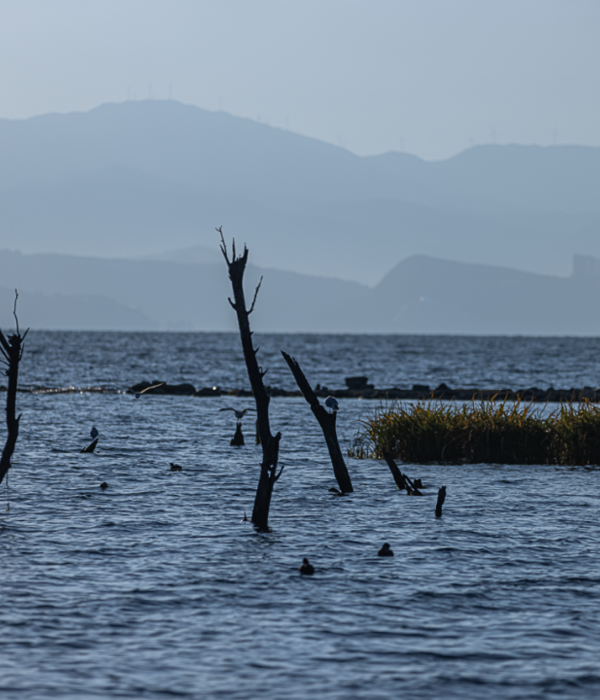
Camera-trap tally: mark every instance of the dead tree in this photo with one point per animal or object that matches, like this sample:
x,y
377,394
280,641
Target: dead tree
x,y
12,352
327,422
402,480
269,443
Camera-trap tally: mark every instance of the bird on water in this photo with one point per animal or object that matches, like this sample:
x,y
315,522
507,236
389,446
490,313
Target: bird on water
x,y
331,404
306,569
238,414
137,394
385,551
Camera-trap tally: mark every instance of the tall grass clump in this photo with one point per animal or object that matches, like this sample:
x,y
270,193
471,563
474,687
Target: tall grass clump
x,y
482,432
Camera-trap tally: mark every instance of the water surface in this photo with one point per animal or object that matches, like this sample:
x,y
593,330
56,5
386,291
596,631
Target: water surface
x,y
155,588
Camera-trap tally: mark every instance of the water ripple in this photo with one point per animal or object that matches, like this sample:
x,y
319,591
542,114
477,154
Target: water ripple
x,y
155,587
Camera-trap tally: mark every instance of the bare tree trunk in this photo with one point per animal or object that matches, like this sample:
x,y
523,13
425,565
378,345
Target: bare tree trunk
x,y
269,443
327,422
12,351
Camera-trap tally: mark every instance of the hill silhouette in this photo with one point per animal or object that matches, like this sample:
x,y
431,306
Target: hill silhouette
x,y
138,178
419,295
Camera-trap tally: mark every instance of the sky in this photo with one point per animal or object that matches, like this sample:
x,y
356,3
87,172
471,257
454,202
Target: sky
x,y
428,77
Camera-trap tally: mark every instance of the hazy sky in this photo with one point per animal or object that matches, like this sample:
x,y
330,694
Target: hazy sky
x,y
429,77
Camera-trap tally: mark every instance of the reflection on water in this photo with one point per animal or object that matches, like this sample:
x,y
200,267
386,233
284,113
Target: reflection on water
x,y
155,588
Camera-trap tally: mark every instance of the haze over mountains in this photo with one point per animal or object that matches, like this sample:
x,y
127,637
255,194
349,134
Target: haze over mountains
x,y
420,295
127,182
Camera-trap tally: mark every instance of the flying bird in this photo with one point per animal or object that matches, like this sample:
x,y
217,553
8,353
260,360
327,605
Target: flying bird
x,y
306,569
331,404
137,394
94,432
238,414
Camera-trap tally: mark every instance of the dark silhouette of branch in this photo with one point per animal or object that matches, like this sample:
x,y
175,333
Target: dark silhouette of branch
x,y
254,300
327,421
12,352
402,480
440,502
269,443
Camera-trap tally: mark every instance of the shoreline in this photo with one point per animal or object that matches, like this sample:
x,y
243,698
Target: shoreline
x,y
417,393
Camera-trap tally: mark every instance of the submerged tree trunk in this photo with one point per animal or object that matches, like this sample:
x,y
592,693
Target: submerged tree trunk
x,y
90,448
238,439
402,481
396,473
440,502
269,443
327,422
12,351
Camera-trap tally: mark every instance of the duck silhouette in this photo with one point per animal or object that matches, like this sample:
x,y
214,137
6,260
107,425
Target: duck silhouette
x,y
306,569
385,551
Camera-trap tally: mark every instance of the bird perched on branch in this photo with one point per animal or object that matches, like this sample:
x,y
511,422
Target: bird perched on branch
x,y
94,432
238,414
385,551
331,404
306,569
137,394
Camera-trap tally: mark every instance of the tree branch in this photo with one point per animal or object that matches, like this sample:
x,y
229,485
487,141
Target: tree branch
x,y
255,295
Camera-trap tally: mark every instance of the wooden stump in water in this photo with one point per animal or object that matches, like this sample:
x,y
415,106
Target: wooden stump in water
x,y
402,481
238,439
440,502
91,447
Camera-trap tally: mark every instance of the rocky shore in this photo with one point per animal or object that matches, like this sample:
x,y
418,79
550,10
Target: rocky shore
x,y
356,388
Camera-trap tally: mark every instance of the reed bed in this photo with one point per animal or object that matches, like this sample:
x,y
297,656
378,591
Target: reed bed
x,y
482,432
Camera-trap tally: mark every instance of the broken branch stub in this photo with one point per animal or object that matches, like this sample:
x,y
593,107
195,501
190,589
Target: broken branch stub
x,y
327,421
440,502
402,480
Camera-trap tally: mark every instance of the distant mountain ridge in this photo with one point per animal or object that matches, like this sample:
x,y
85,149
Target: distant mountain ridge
x,y
136,178
420,295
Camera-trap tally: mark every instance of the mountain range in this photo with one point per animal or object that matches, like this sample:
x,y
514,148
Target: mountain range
x,y
420,295
114,212
135,179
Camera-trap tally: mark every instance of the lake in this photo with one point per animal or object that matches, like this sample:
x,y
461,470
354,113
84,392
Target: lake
x,y
156,588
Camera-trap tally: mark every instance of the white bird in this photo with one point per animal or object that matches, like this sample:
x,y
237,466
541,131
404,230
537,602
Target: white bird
x,y
94,432
137,394
238,414
332,404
